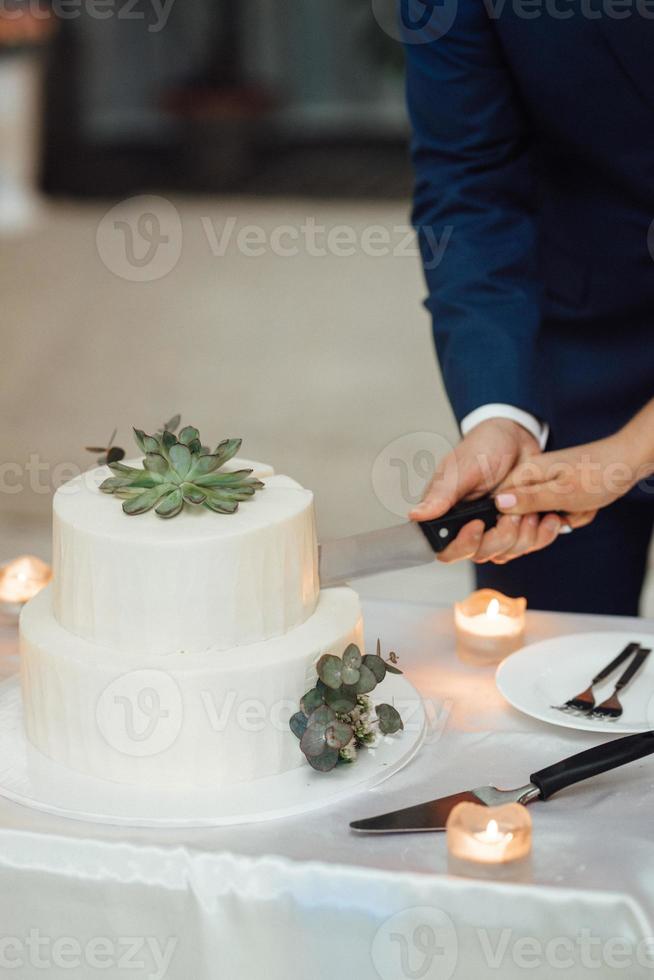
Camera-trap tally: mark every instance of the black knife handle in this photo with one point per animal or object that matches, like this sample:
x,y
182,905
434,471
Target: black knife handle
x,y
443,530
594,761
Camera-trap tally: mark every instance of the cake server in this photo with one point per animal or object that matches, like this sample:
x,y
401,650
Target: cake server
x,y
433,816
414,543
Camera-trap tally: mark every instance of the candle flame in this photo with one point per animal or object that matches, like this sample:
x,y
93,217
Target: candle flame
x,y
493,612
493,835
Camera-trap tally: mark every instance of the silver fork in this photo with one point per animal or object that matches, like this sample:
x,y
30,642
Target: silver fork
x,y
611,708
585,702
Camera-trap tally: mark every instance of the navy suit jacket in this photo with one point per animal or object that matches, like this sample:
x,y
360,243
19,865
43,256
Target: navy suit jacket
x,y
533,149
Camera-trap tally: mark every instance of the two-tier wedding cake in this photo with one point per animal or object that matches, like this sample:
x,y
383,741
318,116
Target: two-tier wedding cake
x,y
173,652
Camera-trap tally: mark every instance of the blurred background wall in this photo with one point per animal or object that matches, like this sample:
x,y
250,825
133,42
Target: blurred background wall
x,y
204,207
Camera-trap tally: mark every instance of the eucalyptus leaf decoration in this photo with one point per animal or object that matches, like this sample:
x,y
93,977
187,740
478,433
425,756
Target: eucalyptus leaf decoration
x,y
178,470
336,717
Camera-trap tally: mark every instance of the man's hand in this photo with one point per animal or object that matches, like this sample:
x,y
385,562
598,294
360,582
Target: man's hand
x,y
478,465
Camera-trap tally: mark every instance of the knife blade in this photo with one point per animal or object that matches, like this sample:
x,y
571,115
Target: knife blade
x,y
405,546
432,816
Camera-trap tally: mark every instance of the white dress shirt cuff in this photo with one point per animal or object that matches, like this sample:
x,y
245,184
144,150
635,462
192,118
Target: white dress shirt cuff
x,y
539,430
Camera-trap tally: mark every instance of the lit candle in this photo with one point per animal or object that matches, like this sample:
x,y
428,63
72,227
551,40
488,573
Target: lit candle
x,y
481,835
22,578
489,626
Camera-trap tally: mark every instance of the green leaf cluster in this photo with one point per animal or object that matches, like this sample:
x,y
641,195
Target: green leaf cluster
x,y
327,721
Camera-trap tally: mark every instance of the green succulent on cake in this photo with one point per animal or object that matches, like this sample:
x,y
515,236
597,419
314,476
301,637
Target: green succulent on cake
x,y
177,471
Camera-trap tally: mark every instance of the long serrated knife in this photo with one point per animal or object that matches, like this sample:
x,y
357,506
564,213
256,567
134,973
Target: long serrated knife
x,y
405,546
414,543
433,816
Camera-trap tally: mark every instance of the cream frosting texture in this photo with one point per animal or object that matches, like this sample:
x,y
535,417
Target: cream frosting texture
x,y
169,721
196,582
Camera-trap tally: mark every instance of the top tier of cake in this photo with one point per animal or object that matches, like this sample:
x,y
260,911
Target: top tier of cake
x,y
199,580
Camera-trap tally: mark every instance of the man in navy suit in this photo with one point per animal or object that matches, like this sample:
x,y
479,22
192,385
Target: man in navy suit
x,y
533,147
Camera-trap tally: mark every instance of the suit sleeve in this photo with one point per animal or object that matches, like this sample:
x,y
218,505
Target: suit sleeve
x,y
475,214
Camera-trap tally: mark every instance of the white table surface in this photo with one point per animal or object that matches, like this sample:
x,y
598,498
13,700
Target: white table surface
x,y
304,897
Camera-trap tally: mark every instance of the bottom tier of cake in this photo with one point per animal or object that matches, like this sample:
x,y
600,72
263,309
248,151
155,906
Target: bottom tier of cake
x,y
205,719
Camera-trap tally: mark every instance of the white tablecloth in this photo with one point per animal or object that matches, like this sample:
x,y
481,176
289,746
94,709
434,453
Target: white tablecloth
x,y
303,898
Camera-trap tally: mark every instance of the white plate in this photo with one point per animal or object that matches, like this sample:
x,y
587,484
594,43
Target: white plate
x,y
29,778
555,670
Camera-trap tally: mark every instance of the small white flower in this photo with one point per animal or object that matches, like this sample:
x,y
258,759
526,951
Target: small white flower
x,y
349,753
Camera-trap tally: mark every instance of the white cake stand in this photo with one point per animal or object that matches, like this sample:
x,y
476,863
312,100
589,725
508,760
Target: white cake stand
x,y
29,778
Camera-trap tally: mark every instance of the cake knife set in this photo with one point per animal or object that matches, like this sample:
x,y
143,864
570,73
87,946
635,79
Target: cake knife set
x,y
432,816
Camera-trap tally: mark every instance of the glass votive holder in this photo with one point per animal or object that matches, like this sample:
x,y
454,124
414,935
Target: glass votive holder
x,y
489,842
489,626
20,580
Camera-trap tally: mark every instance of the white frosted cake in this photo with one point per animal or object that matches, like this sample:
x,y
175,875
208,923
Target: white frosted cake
x,y
173,652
